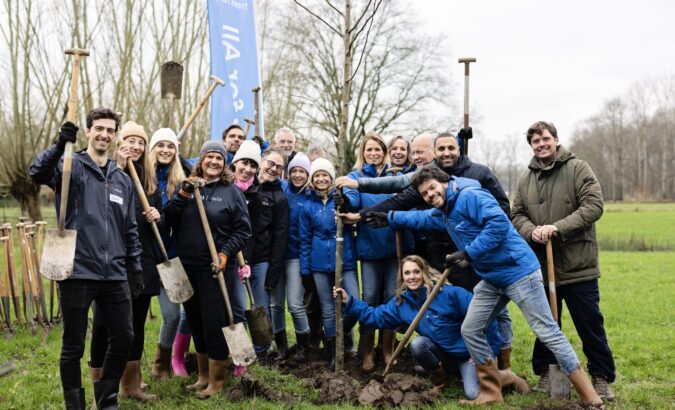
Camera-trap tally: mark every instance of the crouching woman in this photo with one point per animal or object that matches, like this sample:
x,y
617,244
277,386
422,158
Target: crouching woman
x,y
439,348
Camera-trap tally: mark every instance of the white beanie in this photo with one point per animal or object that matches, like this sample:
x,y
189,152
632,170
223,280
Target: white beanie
x,y
322,164
164,134
248,150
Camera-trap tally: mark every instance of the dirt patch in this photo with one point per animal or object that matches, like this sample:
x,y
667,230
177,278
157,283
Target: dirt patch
x,y
397,390
249,386
557,406
335,388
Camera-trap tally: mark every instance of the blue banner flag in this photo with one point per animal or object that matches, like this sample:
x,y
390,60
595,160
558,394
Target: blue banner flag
x,y
234,59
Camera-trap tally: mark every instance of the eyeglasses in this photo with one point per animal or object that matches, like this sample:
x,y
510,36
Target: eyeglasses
x,y
274,165
418,153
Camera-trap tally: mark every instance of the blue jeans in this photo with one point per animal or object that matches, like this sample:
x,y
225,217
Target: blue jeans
x,y
377,276
505,327
428,354
324,288
170,319
289,288
261,296
528,294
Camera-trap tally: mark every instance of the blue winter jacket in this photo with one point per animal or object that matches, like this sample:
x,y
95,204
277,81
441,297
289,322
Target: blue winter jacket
x,y
317,237
296,199
475,222
441,322
373,243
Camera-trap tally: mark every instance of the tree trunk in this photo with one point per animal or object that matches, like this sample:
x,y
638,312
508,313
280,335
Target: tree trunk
x,y
28,195
346,88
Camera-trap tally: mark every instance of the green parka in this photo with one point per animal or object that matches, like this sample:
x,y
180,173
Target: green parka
x,y
565,194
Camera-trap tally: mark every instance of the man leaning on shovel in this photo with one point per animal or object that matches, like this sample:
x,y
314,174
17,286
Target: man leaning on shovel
x,y
101,209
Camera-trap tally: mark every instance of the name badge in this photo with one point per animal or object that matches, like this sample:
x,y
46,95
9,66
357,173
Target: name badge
x,y
117,199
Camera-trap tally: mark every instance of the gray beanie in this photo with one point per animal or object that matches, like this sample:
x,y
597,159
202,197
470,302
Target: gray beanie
x,y
213,146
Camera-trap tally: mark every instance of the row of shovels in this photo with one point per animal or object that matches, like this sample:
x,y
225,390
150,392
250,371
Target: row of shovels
x,y
21,285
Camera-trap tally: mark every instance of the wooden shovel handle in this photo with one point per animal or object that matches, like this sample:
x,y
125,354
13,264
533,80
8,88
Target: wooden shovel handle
x,y
216,81
550,267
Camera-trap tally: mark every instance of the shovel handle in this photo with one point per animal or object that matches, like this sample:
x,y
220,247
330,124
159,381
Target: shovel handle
x,y
242,262
209,91
550,267
418,317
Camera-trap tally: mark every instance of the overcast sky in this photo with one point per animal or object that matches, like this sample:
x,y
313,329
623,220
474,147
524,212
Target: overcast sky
x,y
551,60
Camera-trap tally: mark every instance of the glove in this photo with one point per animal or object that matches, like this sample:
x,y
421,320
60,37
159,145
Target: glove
x,y
68,133
272,277
244,272
459,259
341,202
188,186
222,261
465,133
308,283
136,284
376,219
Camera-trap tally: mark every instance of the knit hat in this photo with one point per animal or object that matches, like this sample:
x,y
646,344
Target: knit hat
x,y
299,160
248,150
130,128
164,134
213,146
322,164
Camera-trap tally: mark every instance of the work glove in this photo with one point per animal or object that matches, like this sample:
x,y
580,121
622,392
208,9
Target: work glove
x,y
222,261
340,201
244,272
376,219
459,259
272,278
187,187
465,133
136,284
308,283
68,133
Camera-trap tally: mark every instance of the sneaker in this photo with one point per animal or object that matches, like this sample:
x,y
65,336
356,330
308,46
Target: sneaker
x,y
602,388
543,384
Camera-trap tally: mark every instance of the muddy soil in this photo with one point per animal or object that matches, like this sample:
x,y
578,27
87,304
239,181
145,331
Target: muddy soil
x,y
249,386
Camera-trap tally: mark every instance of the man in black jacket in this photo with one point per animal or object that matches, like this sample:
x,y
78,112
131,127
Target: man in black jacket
x,y
107,251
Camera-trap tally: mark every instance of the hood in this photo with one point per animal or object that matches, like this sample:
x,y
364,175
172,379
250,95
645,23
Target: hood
x,y
370,171
562,155
455,186
462,165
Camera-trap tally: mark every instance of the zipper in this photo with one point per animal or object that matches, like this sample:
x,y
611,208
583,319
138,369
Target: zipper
x,y
107,203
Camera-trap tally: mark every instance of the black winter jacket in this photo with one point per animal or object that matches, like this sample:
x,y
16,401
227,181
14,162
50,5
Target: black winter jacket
x,y
101,209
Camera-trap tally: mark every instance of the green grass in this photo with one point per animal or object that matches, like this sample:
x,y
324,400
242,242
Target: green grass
x,y
637,227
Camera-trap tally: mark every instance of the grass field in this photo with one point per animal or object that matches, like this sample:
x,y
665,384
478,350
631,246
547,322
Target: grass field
x,y
637,299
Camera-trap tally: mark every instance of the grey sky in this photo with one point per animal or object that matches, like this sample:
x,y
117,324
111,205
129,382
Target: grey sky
x,y
551,60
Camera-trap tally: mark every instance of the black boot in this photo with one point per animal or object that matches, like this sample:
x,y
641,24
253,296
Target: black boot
x,y
330,351
105,392
302,350
281,341
74,399
350,348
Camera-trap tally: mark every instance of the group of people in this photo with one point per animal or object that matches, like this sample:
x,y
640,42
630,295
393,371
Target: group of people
x,y
411,210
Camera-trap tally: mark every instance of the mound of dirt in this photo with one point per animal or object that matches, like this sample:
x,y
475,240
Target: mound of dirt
x,y
335,388
397,390
250,386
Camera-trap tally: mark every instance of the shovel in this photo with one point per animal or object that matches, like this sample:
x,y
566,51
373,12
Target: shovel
x,y
259,323
241,348
559,385
59,249
171,272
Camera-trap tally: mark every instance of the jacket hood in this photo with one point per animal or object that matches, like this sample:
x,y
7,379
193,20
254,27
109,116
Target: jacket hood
x,y
562,155
462,165
88,162
370,170
455,186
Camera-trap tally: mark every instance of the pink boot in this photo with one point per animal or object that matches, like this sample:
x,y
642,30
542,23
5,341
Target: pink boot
x,y
180,346
239,370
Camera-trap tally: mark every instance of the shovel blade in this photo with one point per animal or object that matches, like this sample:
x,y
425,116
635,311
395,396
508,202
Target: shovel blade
x,y
241,348
260,325
559,384
58,254
175,281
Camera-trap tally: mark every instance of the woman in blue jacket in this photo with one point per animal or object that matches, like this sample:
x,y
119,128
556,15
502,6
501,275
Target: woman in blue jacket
x,y
439,348
317,248
376,247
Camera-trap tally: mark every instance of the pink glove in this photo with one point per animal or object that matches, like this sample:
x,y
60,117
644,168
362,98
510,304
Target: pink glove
x,y
244,272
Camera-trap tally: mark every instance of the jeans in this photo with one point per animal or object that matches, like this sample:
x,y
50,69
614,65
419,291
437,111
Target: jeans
x,y
114,299
376,276
289,288
324,287
428,355
171,314
528,294
583,302
260,294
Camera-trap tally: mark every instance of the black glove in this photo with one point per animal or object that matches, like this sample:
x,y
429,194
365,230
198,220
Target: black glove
x,y
376,219
68,133
308,283
465,133
341,202
459,259
272,277
136,284
187,187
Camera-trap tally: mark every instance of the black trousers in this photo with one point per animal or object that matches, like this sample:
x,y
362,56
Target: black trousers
x,y
99,331
114,300
583,301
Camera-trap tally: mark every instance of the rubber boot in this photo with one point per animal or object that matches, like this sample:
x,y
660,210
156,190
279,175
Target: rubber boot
x,y
350,348
105,393
303,342
74,399
388,344
281,341
509,378
203,378
161,369
96,373
180,346
504,358
438,378
367,343
239,370
217,370
130,385
330,352
490,385
585,390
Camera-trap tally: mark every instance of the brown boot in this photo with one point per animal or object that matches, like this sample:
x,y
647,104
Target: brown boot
x,y
161,370
519,384
388,344
585,389
217,370
367,343
504,358
130,384
490,385
203,379
96,373
438,378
